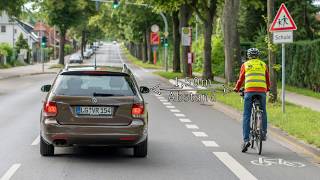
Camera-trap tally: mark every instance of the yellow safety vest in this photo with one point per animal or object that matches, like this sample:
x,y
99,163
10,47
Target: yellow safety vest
x,y
255,74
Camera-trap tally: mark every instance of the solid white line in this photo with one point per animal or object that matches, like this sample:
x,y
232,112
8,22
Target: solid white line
x,y
10,172
36,141
185,120
179,115
200,134
174,110
170,107
167,103
210,144
241,172
192,126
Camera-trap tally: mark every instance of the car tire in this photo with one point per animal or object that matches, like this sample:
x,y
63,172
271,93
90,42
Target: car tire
x,y
141,150
46,149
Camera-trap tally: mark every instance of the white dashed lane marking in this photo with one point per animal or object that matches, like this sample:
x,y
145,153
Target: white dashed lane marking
x,y
163,100
200,134
160,97
237,169
174,110
192,126
10,172
167,103
170,107
179,115
185,120
210,144
36,141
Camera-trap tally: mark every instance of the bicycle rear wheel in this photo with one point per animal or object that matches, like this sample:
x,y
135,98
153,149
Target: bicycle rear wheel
x,y
258,138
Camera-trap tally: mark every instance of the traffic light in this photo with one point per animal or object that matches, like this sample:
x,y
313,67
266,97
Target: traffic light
x,y
165,42
43,41
115,4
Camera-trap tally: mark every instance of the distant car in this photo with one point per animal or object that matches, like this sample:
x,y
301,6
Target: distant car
x,y
100,43
75,58
88,53
114,42
88,106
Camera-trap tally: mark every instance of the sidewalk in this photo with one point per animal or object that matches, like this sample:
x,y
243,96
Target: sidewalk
x,y
29,70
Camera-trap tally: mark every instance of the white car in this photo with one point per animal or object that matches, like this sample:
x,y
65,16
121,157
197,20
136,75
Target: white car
x,y
87,54
75,58
114,42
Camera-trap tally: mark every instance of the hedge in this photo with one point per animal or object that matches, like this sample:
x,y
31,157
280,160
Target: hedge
x,y
303,64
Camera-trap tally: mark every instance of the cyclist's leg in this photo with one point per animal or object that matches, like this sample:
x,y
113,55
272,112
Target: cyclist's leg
x,y
264,113
246,116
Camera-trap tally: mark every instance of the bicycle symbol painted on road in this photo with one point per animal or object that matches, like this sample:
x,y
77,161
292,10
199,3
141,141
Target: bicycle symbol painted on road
x,y
269,162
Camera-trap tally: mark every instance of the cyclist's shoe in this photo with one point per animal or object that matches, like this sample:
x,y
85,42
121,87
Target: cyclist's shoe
x,y
245,146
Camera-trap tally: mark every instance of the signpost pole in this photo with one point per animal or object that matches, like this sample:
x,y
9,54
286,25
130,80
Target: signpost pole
x,y
283,77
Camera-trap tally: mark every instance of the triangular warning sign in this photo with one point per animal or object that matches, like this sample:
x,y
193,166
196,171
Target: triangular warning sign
x,y
283,20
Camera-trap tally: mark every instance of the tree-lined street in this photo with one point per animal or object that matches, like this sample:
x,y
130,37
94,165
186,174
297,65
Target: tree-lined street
x,y
187,140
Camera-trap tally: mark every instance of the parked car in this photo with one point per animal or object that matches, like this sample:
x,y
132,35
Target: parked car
x,y
90,106
114,42
75,58
87,54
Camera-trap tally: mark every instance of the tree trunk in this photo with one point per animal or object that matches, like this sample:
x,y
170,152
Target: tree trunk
x,y
207,64
271,55
61,48
176,42
185,14
231,37
145,48
83,34
149,53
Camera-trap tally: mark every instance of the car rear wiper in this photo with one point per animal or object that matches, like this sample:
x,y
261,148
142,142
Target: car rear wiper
x,y
102,94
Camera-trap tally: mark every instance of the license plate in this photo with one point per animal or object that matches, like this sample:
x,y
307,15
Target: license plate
x,y
94,111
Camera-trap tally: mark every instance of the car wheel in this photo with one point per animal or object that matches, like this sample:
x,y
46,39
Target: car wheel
x,y
141,150
46,149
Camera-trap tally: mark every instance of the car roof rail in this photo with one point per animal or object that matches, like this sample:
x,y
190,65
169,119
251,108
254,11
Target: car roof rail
x,y
125,68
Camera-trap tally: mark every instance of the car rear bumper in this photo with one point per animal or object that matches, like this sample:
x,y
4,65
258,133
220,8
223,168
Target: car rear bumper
x,y
69,135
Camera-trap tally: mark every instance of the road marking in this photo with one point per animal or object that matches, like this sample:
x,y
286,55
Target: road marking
x,y
200,134
36,141
10,172
210,144
192,126
179,115
167,103
174,110
185,120
163,100
160,97
241,172
170,107
157,95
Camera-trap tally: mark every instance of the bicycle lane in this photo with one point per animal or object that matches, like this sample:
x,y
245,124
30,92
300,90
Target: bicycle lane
x,y
226,132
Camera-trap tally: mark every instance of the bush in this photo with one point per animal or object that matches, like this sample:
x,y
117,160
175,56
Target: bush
x,y
6,49
67,49
303,64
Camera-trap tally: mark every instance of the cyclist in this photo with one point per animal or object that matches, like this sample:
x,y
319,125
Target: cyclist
x,y
255,75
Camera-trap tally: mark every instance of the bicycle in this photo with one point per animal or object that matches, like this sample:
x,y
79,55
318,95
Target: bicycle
x,y
256,131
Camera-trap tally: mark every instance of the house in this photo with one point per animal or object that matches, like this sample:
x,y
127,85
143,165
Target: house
x,y
11,28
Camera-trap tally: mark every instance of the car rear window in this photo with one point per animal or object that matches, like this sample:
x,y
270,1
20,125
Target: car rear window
x,y
88,85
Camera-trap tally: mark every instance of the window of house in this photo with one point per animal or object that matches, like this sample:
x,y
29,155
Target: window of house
x,y
3,28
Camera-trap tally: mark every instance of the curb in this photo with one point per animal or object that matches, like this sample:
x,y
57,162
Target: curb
x,y
28,74
276,134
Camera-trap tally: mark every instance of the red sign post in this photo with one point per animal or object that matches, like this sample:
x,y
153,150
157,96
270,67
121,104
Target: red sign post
x,y
155,41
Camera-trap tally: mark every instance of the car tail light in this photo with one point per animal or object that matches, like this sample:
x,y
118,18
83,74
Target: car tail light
x,y
50,109
137,110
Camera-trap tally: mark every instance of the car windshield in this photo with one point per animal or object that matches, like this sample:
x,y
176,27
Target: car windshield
x,y
88,85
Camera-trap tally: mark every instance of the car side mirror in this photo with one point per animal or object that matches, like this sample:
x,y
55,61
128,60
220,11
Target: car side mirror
x,y
144,90
45,88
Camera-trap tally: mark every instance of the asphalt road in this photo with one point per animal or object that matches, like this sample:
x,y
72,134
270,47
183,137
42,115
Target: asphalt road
x,y
186,141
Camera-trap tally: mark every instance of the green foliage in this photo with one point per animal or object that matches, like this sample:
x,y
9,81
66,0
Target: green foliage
x,y
303,64
5,50
67,49
12,7
21,43
217,55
